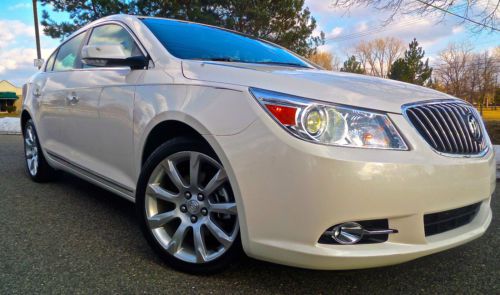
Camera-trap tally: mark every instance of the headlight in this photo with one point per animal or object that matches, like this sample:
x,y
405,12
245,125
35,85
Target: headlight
x,y
330,124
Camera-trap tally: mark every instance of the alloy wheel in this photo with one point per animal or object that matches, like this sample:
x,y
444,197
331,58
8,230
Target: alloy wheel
x,y
31,150
190,207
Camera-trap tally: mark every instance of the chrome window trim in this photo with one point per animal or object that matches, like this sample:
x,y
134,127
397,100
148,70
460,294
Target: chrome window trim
x,y
54,55
483,153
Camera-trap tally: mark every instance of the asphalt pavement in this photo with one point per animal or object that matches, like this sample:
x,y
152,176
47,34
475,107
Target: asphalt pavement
x,y
69,236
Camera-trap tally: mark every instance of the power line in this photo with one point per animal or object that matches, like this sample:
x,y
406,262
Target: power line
x,y
382,28
493,63
437,51
457,15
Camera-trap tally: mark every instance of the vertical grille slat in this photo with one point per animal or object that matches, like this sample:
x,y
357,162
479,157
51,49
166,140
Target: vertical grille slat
x,y
474,145
464,128
455,125
430,125
450,127
445,129
438,127
422,125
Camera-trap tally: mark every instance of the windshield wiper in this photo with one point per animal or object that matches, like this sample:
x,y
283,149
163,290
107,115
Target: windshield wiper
x,y
291,64
230,59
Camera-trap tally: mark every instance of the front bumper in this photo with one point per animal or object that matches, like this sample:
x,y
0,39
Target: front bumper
x,y
290,191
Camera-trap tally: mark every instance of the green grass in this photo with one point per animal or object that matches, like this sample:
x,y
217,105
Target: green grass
x,y
9,115
491,115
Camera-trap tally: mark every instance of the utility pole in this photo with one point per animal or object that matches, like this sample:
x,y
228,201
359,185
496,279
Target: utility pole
x,y
38,61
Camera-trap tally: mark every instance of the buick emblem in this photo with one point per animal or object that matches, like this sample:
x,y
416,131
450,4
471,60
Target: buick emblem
x,y
193,206
474,127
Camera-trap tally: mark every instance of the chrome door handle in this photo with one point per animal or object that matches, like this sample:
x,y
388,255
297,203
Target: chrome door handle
x,y
72,98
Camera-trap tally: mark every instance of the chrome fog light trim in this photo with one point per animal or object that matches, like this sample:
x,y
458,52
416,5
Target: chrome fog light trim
x,y
350,233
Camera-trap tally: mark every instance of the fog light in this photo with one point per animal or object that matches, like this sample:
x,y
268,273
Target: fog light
x,y
347,233
358,232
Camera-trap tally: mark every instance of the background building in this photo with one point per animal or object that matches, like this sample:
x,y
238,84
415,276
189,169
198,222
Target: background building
x,y
10,95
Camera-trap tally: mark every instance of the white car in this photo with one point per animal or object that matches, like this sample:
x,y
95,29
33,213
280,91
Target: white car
x,y
231,144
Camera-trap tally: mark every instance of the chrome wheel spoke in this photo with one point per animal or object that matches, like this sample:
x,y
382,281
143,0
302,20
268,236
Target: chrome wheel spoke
x,y
176,242
174,175
219,234
31,135
194,169
219,178
158,192
199,244
225,208
161,219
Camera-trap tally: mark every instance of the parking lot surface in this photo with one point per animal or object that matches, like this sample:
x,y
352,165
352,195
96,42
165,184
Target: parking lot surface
x,y
70,236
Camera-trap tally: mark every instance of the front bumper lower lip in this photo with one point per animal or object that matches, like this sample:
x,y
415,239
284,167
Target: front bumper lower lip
x,y
343,257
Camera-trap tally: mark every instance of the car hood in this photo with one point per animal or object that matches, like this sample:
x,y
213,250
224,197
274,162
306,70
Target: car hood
x,y
335,87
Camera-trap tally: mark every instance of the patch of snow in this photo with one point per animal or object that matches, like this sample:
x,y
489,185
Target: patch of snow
x,y
497,158
10,126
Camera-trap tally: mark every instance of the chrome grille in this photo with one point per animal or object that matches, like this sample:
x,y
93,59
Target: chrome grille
x,y
452,127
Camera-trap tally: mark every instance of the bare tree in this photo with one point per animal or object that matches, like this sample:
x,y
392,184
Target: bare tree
x,y
473,76
479,14
487,78
452,72
327,60
470,76
378,55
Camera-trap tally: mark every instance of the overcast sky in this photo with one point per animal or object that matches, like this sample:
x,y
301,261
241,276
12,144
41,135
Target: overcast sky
x,y
343,30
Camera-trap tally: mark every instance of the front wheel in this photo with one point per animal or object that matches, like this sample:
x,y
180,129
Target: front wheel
x,y
187,208
36,165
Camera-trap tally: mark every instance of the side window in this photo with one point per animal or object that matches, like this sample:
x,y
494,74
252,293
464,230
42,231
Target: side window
x,y
114,34
68,54
50,62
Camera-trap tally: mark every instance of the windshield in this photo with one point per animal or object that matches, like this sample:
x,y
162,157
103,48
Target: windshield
x,y
194,41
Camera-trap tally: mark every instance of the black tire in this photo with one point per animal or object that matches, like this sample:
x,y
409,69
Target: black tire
x,y
44,171
171,147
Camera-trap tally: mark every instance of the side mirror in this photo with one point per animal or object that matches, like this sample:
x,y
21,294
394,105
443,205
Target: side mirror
x,y
38,62
111,56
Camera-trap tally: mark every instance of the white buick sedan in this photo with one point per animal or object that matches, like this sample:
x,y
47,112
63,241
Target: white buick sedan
x,y
230,144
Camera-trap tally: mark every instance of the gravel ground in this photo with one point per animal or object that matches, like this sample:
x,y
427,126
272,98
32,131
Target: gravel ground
x,y
72,237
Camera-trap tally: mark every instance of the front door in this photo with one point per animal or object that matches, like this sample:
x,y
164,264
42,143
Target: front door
x,y
100,101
